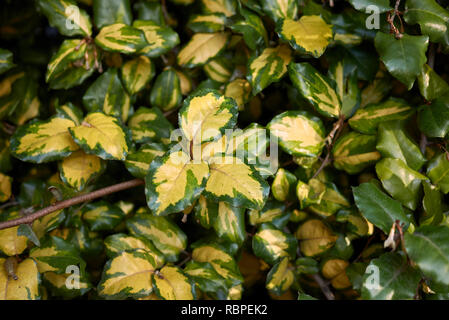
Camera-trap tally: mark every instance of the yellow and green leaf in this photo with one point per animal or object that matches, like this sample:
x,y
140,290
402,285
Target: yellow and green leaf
x,y
128,275
299,133
268,67
219,69
310,34
234,182
201,48
43,141
121,38
101,135
170,283
79,169
161,231
281,277
138,162
56,254
67,17
102,215
160,39
367,120
223,263
316,88
240,91
229,223
27,285
166,91
5,187
206,211
226,7
174,182
314,237
136,73
117,243
280,9
107,94
205,116
353,152
149,124
213,22
272,244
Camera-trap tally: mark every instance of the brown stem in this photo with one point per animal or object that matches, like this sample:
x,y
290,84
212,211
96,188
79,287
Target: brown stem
x,y
390,20
71,202
330,140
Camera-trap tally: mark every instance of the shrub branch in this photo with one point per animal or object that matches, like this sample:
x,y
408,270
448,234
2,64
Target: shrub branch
x,y
71,202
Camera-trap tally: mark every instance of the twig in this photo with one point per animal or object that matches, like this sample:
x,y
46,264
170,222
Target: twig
x,y
390,20
70,202
330,140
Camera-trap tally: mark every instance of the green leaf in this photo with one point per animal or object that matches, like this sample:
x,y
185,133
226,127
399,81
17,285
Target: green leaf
x,y
136,74
149,124
107,12
43,141
367,120
121,38
433,120
6,60
353,152
401,182
428,247
431,17
27,231
56,254
160,39
174,182
234,182
315,88
389,277
394,142
166,91
310,34
438,172
170,283
101,135
403,58
268,67
431,85
272,244
362,5
102,215
107,94
165,235
280,9
252,29
281,277
67,17
138,162
229,223
201,48
206,115
377,207
309,141
432,204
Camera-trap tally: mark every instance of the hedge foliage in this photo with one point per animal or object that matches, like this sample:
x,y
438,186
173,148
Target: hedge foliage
x,y
288,149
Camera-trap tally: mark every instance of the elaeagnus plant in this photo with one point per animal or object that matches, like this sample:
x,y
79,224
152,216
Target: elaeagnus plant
x,y
224,149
